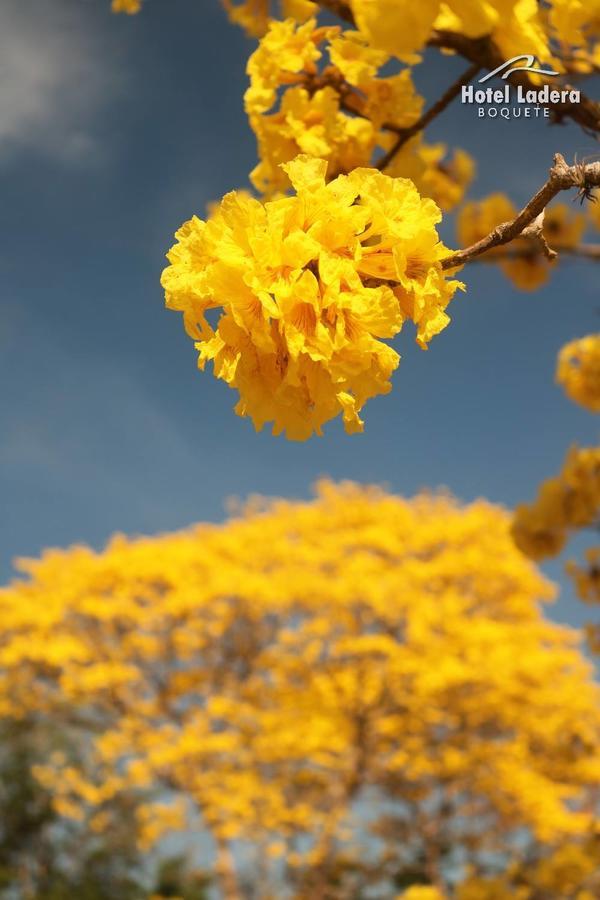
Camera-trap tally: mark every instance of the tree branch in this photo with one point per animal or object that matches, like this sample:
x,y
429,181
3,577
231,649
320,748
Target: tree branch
x,y
581,251
340,9
562,177
428,116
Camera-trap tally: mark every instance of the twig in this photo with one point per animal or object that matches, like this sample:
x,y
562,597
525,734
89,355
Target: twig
x,y
581,251
340,9
562,177
428,116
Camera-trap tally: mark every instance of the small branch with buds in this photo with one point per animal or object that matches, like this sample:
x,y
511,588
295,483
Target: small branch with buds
x,y
528,223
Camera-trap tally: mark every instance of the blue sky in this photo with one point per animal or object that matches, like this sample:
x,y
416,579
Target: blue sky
x,y
113,131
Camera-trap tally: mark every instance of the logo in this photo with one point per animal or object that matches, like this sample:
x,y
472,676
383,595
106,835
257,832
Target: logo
x,y
522,102
508,65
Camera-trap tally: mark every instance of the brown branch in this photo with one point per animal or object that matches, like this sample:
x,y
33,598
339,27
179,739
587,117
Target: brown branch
x,y
581,251
340,9
562,178
428,116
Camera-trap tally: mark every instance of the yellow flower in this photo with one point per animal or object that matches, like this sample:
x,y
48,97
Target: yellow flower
x,y
308,286
521,26
578,371
252,15
399,27
576,22
594,207
522,260
564,504
402,27
126,6
311,124
475,220
563,227
286,50
254,18
445,181
422,892
355,58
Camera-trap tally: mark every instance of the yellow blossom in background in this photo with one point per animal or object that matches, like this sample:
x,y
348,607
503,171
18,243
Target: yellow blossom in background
x,y
565,503
563,226
523,260
587,579
578,371
594,207
421,892
577,22
344,676
252,15
126,6
307,287
476,220
445,180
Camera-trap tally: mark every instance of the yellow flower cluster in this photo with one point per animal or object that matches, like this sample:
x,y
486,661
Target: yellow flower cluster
x,y
578,371
126,6
577,24
308,666
522,261
341,112
308,286
567,502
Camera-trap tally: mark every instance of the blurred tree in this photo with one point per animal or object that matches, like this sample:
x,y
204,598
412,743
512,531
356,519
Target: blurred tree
x,y
353,695
41,856
46,857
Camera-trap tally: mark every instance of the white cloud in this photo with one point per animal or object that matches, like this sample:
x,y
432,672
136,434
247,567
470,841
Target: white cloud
x,y
54,77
